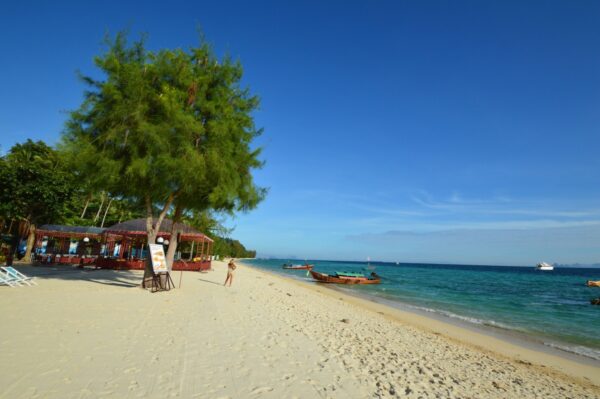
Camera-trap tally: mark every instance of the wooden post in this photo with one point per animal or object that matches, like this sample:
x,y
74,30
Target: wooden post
x,y
192,251
122,248
110,246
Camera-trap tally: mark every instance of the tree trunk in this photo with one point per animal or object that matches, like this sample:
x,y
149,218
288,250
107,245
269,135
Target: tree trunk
x,y
100,208
151,238
30,243
106,211
174,240
87,203
152,230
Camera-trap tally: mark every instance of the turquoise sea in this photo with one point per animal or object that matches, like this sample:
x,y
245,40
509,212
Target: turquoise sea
x,y
549,307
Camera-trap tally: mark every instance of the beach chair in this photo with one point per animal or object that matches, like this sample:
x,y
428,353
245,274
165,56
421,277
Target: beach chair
x,y
17,275
6,279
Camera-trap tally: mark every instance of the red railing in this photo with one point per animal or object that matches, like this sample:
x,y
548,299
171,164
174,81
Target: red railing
x,y
140,264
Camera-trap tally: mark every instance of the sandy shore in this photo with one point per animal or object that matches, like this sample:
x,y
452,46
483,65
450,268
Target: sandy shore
x,y
92,334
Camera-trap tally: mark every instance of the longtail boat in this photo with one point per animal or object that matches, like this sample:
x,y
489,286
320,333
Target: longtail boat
x,y
346,278
591,283
298,267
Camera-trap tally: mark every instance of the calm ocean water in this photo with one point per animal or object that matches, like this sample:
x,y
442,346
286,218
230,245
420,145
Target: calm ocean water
x,y
550,307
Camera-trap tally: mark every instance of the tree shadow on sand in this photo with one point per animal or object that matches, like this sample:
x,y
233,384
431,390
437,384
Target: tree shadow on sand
x,y
118,278
208,281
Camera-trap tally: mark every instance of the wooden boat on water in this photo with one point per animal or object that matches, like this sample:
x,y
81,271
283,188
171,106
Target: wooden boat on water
x,y
346,278
298,267
591,283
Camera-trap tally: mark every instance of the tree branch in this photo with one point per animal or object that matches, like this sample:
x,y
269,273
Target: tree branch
x,y
164,211
149,216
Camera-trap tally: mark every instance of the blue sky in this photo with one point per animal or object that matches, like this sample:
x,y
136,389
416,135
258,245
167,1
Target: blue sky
x,y
435,131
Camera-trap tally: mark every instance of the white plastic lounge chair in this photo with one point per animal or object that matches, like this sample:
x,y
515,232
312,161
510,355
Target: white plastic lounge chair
x,y
17,275
6,279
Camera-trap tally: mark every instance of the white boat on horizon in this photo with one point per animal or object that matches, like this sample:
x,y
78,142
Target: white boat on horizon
x,y
544,266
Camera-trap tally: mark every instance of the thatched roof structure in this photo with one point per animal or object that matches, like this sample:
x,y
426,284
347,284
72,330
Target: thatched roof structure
x,y
138,227
57,230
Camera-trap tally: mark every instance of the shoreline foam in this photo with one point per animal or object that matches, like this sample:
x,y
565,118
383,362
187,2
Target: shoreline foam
x,y
584,355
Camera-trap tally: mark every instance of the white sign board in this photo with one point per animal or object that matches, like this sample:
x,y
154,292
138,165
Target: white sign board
x,y
159,260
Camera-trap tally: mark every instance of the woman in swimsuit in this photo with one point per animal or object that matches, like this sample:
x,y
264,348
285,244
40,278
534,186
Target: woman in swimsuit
x,y
230,268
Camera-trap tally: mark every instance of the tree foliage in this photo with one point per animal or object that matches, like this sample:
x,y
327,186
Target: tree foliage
x,y
100,209
168,123
39,186
212,225
227,247
36,187
171,129
162,131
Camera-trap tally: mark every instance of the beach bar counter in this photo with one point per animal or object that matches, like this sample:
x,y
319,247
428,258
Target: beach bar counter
x,y
122,246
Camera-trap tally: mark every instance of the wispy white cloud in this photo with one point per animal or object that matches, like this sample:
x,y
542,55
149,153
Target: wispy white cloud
x,y
498,225
420,211
376,203
548,213
498,205
389,210
419,227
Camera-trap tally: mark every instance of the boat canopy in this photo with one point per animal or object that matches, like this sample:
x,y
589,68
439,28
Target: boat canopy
x,y
349,274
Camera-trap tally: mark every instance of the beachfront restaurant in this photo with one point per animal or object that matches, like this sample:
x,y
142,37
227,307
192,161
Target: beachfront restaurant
x,y
125,246
122,246
71,245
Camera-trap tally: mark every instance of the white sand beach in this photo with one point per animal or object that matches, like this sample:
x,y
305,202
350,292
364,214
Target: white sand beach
x,y
96,334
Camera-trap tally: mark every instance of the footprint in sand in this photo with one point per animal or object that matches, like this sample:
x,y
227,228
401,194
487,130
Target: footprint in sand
x,y
131,370
50,371
259,390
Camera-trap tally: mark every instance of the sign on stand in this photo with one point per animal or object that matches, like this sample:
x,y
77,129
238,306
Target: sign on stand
x,y
159,260
160,268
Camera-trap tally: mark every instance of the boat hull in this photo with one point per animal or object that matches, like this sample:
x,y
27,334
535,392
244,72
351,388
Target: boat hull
x,y
301,267
544,266
325,278
591,283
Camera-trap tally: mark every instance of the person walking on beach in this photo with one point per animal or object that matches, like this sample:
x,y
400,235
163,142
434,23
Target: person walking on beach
x,y
230,268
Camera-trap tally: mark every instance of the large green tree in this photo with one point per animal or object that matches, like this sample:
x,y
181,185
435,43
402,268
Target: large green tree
x,y
36,187
171,129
